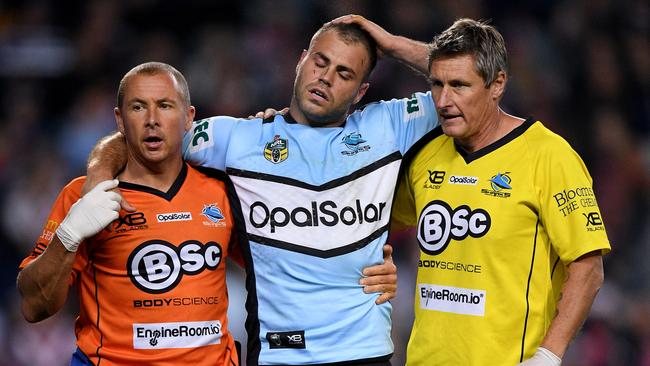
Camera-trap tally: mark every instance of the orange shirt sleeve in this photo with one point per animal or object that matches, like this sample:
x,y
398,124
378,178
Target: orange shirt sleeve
x,y
67,197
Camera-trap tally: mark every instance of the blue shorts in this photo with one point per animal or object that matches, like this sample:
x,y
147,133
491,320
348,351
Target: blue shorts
x,y
79,359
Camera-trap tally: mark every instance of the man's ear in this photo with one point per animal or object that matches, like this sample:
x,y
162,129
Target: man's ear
x,y
498,86
118,120
302,57
362,91
191,112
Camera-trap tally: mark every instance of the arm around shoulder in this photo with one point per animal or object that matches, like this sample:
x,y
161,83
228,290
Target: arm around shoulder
x,y
106,160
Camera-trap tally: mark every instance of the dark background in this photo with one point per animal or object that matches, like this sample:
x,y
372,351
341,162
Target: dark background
x,y
582,67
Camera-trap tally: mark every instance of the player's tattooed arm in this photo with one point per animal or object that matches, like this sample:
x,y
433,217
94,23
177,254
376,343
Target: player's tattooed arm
x,y
584,278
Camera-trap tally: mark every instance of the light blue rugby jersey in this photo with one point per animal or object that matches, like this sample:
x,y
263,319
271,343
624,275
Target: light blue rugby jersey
x,y
316,203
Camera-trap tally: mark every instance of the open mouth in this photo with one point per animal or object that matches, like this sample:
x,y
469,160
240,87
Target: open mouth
x,y
153,142
318,94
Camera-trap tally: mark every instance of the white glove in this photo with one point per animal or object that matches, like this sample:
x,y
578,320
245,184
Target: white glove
x,y
542,357
90,214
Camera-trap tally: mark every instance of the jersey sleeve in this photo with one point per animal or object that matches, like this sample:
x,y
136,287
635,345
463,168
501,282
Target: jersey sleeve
x,y
569,210
67,197
404,202
412,118
206,143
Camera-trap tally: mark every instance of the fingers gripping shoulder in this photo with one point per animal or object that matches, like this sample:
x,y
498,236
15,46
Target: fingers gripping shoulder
x,y
90,214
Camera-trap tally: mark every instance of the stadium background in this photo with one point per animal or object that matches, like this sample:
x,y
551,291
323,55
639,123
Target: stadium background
x,y
582,67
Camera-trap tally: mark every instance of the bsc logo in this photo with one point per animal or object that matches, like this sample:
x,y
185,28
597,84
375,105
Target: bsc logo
x,y
439,224
157,266
277,150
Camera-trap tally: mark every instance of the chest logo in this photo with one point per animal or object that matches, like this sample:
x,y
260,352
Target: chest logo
x,y
157,266
353,142
499,184
438,224
277,150
128,222
214,214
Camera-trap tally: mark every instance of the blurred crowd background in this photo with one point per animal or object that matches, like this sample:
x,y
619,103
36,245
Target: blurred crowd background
x,y
581,66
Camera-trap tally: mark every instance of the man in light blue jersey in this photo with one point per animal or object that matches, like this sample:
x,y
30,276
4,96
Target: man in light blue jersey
x,y
316,188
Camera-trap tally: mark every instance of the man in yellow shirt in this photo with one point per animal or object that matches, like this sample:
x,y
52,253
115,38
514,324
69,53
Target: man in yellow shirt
x,y
511,238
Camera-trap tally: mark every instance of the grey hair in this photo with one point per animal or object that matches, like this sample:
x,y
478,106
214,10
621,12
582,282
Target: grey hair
x,y
475,38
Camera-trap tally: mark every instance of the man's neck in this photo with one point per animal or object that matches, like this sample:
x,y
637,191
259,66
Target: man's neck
x,y
299,117
159,176
499,126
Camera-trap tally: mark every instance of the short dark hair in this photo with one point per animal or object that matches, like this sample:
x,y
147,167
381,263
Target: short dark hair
x,y
154,68
350,34
478,39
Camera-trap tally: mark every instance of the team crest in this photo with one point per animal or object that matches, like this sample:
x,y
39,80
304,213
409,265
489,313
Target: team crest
x,y
354,143
500,183
213,213
277,150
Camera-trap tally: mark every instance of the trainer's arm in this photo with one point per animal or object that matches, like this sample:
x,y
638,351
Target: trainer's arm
x,y
43,284
106,160
413,53
584,278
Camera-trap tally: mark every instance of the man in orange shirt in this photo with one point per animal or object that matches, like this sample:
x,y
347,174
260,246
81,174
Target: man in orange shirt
x,y
151,283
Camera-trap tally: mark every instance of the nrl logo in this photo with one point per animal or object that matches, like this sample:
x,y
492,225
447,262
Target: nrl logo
x,y
276,151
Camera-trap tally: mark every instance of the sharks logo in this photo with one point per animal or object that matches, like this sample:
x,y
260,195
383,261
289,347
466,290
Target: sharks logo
x,y
499,184
354,143
213,213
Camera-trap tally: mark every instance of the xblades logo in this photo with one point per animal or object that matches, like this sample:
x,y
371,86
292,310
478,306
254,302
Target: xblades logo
x,y
594,222
436,176
438,224
293,339
134,221
593,218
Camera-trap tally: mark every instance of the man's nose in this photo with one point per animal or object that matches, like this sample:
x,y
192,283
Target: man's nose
x,y
327,75
153,117
444,98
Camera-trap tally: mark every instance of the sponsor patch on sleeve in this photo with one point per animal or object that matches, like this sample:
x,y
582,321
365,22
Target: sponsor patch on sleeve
x,y
201,136
413,108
